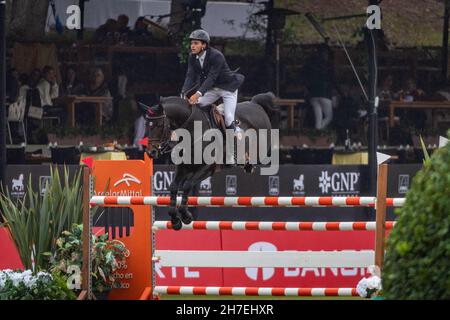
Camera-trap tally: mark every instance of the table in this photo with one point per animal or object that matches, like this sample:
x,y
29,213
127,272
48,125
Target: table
x,y
71,101
290,103
416,105
350,158
108,155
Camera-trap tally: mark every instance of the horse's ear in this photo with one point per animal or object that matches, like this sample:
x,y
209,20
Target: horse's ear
x,y
143,107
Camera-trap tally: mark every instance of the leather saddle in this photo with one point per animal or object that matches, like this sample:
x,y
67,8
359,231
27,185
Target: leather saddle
x,y
215,117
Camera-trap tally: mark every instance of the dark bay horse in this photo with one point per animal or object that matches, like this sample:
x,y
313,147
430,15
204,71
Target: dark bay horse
x,y
172,113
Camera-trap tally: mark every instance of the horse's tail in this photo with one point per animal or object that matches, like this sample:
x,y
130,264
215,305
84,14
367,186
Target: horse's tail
x,y
266,100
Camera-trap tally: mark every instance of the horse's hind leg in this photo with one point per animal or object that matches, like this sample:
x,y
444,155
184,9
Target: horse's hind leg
x,y
188,186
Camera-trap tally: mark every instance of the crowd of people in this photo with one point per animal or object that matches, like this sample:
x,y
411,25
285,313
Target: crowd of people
x,y
40,88
342,105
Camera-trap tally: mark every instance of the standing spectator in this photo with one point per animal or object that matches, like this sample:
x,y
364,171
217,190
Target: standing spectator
x,y
12,85
319,75
70,84
48,90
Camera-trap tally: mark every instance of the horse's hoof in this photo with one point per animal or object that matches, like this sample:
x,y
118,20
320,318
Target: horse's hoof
x,y
186,216
176,223
248,168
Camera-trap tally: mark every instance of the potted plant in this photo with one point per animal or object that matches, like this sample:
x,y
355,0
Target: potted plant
x,y
106,256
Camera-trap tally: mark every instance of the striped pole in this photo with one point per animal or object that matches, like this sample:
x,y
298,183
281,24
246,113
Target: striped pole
x,y
275,226
248,201
256,291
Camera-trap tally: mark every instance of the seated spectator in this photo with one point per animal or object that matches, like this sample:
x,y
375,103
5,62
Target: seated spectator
x,y
98,87
412,118
106,32
122,23
70,84
49,90
386,88
141,28
410,92
34,78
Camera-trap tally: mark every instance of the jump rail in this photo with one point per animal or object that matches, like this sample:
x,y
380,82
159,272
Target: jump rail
x,y
164,201
275,226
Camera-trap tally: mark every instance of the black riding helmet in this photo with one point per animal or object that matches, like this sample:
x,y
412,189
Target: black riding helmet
x,y
201,35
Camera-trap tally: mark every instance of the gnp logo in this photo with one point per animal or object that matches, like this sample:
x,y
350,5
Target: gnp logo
x,y
127,178
162,181
267,273
339,182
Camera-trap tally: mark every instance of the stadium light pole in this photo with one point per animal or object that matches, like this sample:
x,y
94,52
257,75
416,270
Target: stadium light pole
x,y
371,40
2,92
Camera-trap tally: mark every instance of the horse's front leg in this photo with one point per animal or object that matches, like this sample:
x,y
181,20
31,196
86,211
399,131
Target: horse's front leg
x,y
174,187
199,175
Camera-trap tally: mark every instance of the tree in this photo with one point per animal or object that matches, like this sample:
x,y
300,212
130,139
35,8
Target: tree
x,y
26,19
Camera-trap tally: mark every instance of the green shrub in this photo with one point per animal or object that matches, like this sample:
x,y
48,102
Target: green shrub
x,y
417,263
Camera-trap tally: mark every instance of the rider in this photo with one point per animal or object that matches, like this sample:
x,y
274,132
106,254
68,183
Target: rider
x,y
209,74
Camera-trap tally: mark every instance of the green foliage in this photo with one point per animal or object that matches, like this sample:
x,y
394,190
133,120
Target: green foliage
x,y
26,286
37,220
417,262
106,256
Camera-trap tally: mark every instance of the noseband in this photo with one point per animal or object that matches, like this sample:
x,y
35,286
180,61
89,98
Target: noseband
x,y
162,144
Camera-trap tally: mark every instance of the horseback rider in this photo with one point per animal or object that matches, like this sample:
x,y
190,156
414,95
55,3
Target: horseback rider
x,y
209,74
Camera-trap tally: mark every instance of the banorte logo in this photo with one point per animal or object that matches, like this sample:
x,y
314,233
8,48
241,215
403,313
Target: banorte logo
x,y
267,273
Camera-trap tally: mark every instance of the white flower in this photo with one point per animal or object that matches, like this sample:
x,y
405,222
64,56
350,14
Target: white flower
x,y
368,287
374,282
361,288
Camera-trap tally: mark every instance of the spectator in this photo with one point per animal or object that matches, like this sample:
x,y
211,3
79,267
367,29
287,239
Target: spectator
x,y
348,112
412,118
118,89
48,90
410,92
70,85
106,31
386,88
319,75
141,28
98,87
122,23
34,78
12,85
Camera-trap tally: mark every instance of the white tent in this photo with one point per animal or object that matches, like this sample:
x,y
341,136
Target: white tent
x,y
222,19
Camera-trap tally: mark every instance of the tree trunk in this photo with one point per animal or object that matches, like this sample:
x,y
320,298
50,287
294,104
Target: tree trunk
x,y
27,19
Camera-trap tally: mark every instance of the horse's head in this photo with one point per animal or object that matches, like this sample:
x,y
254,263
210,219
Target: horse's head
x,y
157,129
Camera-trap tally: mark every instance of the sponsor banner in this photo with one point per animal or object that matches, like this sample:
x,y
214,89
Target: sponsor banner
x,y
9,257
188,240
263,241
295,241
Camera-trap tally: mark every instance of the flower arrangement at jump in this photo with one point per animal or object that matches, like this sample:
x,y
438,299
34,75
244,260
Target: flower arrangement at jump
x,y
24,285
370,287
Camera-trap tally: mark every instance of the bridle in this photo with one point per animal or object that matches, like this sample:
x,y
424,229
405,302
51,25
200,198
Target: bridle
x,y
162,145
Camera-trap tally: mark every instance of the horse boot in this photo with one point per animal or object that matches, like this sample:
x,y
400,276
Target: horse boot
x,y
175,219
231,158
186,215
